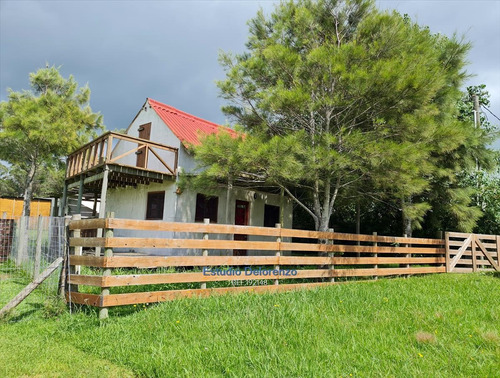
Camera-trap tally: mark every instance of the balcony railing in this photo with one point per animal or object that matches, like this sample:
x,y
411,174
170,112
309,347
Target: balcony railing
x,y
123,150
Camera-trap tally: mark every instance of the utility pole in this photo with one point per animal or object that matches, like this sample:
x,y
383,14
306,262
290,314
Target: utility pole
x,y
477,119
477,125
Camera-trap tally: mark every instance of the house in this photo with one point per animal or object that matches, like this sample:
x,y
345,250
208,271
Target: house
x,y
136,176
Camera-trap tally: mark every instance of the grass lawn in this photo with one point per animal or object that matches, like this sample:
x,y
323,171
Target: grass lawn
x,y
439,325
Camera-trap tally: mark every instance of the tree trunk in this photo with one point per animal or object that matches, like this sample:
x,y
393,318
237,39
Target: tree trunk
x,y
28,190
407,229
228,198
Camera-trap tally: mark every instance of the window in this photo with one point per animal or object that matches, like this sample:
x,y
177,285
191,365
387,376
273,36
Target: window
x,y
156,202
206,207
271,215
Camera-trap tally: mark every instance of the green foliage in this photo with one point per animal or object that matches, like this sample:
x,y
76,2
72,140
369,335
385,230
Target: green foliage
x,y
340,100
38,128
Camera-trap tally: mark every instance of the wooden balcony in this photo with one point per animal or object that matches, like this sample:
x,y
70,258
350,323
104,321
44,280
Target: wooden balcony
x,y
122,150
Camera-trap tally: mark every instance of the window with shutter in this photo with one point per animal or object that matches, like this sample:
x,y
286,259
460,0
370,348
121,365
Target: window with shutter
x,y
271,215
206,207
155,205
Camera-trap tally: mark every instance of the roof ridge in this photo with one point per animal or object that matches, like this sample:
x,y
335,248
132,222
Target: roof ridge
x,y
188,115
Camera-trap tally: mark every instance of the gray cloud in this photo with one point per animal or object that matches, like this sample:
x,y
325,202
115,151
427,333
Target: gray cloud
x,y
167,50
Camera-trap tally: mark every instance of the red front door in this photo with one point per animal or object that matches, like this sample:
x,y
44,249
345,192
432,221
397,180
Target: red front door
x,y
241,219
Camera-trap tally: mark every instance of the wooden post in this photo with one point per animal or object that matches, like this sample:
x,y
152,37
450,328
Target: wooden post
x,y
102,207
408,255
375,244
80,196
22,252
38,250
61,291
205,251
358,223
278,252
109,148
331,255
108,252
94,208
447,251
75,251
62,207
474,257
498,250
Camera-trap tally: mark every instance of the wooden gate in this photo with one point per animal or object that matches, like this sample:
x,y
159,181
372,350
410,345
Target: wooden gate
x,y
467,253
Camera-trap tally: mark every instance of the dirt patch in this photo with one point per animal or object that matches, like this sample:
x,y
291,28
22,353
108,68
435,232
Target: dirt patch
x,y
4,276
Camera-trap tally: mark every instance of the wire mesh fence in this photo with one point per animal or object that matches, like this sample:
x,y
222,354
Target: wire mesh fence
x,y
28,245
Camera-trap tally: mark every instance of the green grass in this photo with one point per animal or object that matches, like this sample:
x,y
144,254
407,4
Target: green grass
x,y
439,325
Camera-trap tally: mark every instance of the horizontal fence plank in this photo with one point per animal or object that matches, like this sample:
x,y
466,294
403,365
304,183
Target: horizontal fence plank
x,y
172,243
487,244
211,228
460,235
457,235
140,243
130,224
461,270
176,261
161,296
469,254
169,278
87,224
386,271
84,299
358,237
478,262
369,249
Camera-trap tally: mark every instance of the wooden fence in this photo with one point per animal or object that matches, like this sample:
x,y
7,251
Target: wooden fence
x,y
472,252
299,259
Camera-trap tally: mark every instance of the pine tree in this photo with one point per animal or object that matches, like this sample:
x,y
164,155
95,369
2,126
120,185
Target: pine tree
x,y
38,128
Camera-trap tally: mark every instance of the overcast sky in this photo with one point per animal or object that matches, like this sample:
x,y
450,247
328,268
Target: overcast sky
x,y
167,50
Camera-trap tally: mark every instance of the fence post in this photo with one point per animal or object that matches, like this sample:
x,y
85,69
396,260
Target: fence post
x,y
38,250
74,251
474,257
22,247
447,251
375,244
408,255
205,251
498,250
108,252
278,252
331,255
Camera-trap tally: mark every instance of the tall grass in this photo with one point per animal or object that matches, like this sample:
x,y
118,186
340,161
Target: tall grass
x,y
436,325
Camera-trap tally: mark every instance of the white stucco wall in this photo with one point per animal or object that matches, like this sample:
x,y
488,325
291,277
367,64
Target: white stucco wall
x,y
130,203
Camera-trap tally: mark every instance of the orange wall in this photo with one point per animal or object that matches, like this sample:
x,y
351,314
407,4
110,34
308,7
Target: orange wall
x,y
14,208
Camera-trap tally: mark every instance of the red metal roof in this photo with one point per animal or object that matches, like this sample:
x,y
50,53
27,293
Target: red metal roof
x,y
185,126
